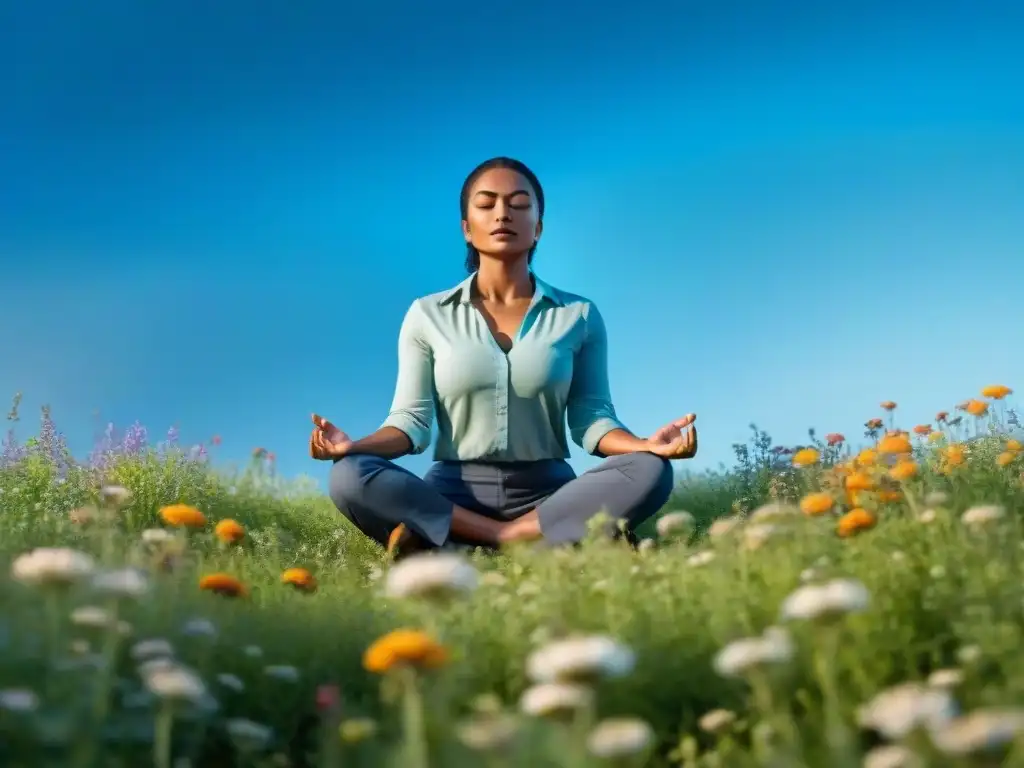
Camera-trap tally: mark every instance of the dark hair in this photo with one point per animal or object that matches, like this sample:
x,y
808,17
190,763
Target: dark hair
x,y
472,257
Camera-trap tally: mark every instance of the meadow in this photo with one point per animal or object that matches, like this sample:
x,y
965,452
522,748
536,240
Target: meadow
x,y
842,603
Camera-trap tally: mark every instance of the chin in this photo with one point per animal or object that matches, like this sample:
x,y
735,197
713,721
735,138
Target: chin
x,y
504,251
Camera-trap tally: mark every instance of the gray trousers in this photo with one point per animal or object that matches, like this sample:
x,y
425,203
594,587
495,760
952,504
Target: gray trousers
x,y
377,495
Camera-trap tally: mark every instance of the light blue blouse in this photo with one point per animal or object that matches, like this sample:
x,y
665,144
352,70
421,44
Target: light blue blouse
x,y
492,406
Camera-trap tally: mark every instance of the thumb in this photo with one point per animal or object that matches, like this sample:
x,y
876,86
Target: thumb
x,y
320,421
686,421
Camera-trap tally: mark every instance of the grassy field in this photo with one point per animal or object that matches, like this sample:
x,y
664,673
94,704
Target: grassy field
x,y
823,605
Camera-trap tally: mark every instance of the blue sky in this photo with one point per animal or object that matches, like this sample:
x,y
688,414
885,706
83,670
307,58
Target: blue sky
x,y
215,215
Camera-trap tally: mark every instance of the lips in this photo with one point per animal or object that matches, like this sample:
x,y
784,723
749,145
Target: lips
x,y
503,231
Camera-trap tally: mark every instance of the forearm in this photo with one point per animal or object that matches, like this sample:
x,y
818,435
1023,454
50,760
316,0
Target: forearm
x,y
386,442
619,441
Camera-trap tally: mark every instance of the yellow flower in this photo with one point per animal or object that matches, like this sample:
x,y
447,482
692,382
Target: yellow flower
x,y
183,515
854,521
1014,445
895,444
229,531
888,405
805,457
890,496
996,391
816,504
953,455
867,457
904,470
859,481
935,437
404,647
223,584
976,407
1006,458
299,578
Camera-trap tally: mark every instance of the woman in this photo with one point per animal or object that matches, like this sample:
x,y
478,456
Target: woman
x,y
501,359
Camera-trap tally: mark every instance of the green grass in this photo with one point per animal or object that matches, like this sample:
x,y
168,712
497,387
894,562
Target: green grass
x,y
935,589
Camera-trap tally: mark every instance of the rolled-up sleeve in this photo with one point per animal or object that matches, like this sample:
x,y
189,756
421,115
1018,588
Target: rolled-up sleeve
x,y
412,409
589,409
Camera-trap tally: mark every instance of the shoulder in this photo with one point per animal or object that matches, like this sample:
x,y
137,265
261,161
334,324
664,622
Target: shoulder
x,y
586,307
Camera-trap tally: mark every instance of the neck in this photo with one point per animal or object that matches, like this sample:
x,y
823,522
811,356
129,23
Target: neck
x,y
504,281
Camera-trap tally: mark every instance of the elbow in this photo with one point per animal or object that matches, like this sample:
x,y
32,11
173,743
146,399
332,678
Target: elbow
x,y
416,427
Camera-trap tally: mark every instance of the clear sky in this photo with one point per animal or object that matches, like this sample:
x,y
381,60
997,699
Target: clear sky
x,y
215,214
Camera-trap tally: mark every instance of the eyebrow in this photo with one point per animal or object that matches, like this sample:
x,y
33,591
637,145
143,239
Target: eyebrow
x,y
494,195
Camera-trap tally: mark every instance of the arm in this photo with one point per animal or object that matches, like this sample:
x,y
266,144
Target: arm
x,y
407,427
592,420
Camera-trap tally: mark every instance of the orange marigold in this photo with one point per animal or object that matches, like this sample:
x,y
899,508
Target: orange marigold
x,y
996,391
903,470
183,515
816,503
835,438
887,405
954,455
941,416
890,496
229,531
873,423
854,521
1014,445
976,407
805,457
1006,458
404,647
223,584
923,429
895,444
299,578
867,457
859,481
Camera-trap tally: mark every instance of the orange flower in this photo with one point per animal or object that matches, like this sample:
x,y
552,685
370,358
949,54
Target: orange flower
x,y
223,584
229,531
405,647
805,457
834,438
903,470
859,481
816,504
895,444
976,407
890,497
935,437
299,578
888,405
1014,445
923,429
1006,458
996,391
854,521
183,515
953,455
941,416
867,457
873,423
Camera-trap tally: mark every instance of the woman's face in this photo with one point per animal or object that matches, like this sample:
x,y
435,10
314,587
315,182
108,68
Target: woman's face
x,y
502,218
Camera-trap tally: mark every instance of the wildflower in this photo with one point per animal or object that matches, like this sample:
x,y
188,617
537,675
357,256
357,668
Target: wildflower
x,y
620,737
996,391
936,499
555,699
183,515
816,504
229,531
896,712
923,430
936,437
156,536
873,424
892,756
498,579
941,416
927,516
717,720
82,515
674,522
1014,446
645,545
890,496
1006,458
199,628
357,729
946,678
983,513
835,438
248,735
231,681
773,511
283,672
91,616
579,659
859,481
700,558
430,576
300,578
410,647
805,457
176,683
153,648
754,536
737,658
953,455
122,583
854,521
983,730
19,700
723,526
223,584
904,469
822,602
867,458
115,496
895,444
887,405
487,733
976,407
52,566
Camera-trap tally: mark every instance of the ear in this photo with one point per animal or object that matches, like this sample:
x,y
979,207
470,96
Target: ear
x,y
465,231
540,229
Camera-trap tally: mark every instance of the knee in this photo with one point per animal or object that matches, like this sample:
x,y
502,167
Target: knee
x,y
653,475
348,476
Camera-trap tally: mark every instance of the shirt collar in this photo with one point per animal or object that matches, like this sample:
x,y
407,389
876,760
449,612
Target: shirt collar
x,y
463,292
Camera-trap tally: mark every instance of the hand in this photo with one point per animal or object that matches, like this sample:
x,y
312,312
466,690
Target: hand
x,y
676,440
327,441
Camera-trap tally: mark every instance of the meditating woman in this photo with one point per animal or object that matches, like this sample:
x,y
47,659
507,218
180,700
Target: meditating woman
x,y
500,360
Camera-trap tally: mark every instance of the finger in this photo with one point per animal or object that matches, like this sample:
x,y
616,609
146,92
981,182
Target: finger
x,y
693,441
321,422
686,421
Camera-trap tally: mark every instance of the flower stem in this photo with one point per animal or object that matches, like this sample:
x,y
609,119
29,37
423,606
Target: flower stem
x,y
836,732
164,725
414,723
